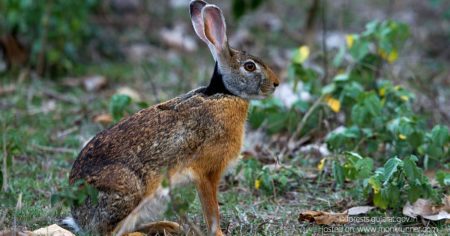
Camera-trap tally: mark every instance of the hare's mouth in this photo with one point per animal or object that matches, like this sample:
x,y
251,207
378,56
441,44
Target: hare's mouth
x,y
267,90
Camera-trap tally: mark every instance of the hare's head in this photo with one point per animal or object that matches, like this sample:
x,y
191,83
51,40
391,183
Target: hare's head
x,y
243,75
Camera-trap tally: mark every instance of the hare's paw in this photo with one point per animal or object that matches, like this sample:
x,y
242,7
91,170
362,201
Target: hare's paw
x,y
161,228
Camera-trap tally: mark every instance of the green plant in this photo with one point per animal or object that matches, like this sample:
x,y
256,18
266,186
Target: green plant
x,y
379,125
55,30
119,106
266,180
240,7
75,194
390,185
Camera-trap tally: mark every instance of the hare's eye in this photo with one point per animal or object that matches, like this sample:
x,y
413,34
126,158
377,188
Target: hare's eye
x,y
249,66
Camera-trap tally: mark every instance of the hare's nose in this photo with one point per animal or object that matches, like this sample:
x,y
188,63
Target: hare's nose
x,y
276,84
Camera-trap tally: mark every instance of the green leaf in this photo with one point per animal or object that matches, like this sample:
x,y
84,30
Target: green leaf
x,y
375,183
338,173
118,106
359,114
364,167
412,172
329,88
443,178
393,195
341,78
339,56
380,199
353,90
440,135
354,155
359,49
342,138
414,193
283,180
390,167
373,104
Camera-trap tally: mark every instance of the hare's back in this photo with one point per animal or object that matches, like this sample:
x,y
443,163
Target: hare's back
x,y
163,135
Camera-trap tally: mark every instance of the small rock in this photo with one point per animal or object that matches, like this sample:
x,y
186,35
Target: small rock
x,y
133,94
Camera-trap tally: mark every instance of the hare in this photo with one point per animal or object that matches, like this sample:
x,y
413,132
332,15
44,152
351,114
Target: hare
x,y
196,135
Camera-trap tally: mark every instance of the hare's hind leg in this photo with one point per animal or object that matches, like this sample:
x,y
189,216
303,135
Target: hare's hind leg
x,y
118,195
149,210
161,228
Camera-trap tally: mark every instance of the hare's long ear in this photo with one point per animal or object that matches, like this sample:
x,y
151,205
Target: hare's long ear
x,y
215,30
195,9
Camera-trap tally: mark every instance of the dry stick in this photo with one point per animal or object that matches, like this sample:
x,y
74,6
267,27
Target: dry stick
x,y
153,87
311,21
301,124
318,101
5,155
60,97
324,44
2,218
41,56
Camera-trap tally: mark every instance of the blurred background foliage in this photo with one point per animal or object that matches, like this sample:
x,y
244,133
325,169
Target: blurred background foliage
x,y
363,109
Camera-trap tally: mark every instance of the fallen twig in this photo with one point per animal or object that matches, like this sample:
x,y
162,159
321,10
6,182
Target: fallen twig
x,y
60,97
54,149
300,126
5,157
66,132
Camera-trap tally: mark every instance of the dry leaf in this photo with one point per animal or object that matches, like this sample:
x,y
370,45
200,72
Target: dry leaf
x,y
426,209
90,83
439,216
52,230
8,232
324,218
359,210
178,38
104,119
327,218
94,83
7,89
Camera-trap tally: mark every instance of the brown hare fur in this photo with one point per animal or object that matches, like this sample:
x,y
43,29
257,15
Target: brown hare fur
x,y
196,135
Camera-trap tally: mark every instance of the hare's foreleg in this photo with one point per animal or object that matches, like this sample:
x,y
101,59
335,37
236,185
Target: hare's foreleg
x,y
207,184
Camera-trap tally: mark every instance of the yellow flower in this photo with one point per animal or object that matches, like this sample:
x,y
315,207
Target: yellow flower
x,y
402,137
376,189
382,92
301,54
333,103
321,164
389,57
404,98
257,184
349,39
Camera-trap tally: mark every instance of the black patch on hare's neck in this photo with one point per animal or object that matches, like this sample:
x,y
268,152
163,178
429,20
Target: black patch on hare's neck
x,y
216,85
